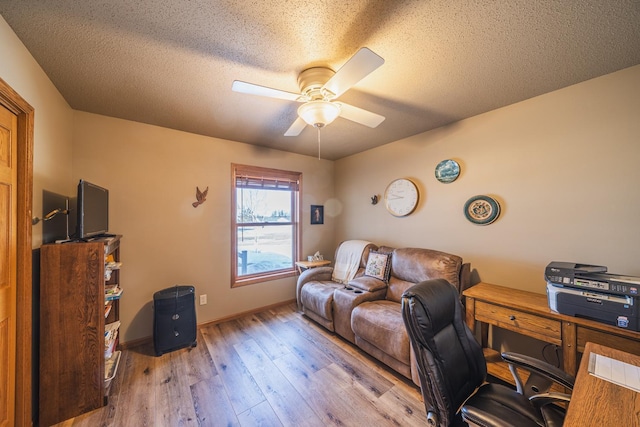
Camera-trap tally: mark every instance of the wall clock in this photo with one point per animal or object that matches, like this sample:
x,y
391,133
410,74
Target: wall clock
x,y
401,197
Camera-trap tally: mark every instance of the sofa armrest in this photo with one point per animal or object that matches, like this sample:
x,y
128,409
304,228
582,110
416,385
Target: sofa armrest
x,y
345,300
366,283
312,274
465,278
318,273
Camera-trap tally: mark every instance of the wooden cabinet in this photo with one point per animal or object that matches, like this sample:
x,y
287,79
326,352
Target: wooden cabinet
x,y
72,326
528,314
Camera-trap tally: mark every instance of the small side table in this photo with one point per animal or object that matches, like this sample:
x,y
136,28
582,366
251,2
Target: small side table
x,y
305,265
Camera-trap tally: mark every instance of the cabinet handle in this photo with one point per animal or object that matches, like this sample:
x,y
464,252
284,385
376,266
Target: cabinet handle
x,y
512,317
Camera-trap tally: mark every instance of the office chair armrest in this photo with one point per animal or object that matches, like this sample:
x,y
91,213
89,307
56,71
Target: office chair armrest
x,y
542,399
552,406
539,367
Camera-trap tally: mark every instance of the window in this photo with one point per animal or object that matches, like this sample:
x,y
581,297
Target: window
x,y
265,224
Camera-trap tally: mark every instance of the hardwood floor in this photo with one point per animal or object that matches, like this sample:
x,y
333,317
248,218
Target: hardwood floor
x,y
274,368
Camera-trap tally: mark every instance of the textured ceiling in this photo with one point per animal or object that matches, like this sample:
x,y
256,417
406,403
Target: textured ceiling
x,y
172,63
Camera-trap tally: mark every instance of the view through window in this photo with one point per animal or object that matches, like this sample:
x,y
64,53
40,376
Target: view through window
x,y
265,224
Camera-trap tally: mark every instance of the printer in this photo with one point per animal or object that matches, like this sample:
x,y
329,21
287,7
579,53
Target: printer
x,y
589,291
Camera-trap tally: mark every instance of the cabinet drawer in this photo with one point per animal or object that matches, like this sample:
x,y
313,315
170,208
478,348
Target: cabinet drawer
x,y
538,327
608,339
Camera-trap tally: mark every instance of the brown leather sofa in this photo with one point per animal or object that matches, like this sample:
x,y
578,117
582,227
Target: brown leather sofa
x,y
315,294
367,311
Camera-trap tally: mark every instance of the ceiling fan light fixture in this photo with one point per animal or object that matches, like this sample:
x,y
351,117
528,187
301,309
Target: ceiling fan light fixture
x,y
319,113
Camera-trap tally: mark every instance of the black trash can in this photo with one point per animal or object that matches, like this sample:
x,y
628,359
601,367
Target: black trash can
x,y
174,319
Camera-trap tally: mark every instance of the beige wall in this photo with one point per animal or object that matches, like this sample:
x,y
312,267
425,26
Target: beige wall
x,y
564,166
152,174
53,120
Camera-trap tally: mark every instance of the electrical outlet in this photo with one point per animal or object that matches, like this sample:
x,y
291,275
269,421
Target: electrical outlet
x,y
203,299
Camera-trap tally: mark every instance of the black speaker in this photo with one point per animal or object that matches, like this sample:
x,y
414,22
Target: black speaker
x,y
174,319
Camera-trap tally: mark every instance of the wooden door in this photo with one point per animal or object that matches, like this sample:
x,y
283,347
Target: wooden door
x,y
8,262
17,258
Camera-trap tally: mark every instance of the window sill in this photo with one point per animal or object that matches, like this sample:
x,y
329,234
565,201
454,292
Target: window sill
x,y
267,277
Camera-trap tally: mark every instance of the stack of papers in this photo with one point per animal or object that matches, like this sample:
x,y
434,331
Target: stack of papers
x,y
615,371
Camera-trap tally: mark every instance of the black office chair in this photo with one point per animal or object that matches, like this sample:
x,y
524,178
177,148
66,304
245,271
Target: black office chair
x,y
453,370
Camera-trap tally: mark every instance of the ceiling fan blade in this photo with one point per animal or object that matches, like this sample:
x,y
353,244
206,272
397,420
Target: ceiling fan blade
x,y
355,69
253,89
359,115
297,127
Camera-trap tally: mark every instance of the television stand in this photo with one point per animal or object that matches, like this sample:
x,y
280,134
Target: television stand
x,y
79,320
98,237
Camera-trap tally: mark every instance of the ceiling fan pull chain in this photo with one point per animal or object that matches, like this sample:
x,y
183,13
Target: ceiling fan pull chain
x,y
317,126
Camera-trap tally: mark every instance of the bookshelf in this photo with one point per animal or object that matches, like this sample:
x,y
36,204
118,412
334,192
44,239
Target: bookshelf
x,y
78,299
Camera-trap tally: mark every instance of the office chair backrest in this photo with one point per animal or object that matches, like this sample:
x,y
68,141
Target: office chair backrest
x,y
451,365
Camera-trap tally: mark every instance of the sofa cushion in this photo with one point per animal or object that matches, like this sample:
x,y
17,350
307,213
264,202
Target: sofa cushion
x,y
380,323
318,297
379,265
414,265
396,289
367,283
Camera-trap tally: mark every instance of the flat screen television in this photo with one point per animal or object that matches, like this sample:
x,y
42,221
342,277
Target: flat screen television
x,y
92,206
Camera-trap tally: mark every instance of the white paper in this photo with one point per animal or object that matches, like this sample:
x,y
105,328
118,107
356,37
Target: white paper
x,y
615,371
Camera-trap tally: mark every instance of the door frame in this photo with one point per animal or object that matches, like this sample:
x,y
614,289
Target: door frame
x,y
11,100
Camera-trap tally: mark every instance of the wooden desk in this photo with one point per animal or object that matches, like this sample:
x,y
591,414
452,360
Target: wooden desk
x,y
305,265
528,313
597,402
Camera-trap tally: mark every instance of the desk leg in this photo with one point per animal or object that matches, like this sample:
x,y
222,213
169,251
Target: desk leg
x,y
470,320
484,335
570,347
470,314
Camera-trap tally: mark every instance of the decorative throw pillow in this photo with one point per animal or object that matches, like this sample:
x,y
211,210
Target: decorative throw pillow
x,y
379,265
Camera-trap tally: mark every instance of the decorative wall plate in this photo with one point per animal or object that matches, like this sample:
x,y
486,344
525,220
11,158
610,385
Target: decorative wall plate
x,y
482,210
447,171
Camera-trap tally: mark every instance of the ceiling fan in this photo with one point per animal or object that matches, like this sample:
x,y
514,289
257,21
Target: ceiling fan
x,y
319,89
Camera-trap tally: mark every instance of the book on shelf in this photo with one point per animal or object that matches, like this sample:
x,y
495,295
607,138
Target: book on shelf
x,y
111,327
112,292
111,367
110,336
113,265
110,347
109,266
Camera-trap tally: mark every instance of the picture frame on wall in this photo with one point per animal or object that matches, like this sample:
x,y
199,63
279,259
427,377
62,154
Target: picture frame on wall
x,y
317,214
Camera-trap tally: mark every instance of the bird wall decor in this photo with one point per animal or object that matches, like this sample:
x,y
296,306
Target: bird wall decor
x,y
201,197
